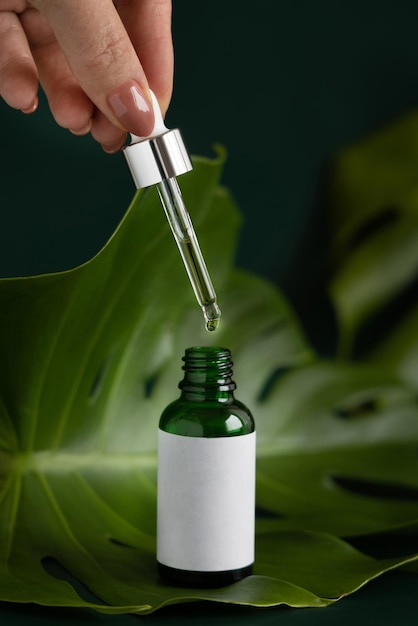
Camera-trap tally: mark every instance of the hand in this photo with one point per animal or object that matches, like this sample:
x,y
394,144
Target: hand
x,y
95,59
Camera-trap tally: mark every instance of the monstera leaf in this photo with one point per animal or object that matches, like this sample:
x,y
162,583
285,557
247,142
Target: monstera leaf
x,y
374,221
90,357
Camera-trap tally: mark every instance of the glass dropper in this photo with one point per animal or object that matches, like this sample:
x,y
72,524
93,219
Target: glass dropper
x,y
157,160
188,245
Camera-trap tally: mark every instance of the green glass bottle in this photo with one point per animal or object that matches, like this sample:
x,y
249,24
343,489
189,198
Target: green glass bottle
x,y
206,477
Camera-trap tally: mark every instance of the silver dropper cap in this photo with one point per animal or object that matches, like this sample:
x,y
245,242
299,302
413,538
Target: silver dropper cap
x,y
158,158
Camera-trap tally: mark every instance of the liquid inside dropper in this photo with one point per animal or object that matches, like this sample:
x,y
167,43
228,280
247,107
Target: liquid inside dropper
x,y
188,245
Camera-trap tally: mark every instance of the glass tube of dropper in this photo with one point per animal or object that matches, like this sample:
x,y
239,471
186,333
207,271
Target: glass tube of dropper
x,y
188,245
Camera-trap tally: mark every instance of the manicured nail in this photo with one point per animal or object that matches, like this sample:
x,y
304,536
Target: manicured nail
x,y
133,110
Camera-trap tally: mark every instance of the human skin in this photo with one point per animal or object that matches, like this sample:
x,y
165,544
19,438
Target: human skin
x,y
95,59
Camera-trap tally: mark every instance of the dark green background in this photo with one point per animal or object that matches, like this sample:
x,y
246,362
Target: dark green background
x,y
284,85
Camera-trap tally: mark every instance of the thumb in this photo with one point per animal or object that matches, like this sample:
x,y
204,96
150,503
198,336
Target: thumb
x,y
102,59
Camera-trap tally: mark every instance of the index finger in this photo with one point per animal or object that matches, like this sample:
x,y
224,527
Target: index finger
x,y
148,23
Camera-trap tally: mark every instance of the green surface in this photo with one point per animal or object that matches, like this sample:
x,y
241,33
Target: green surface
x,y
329,72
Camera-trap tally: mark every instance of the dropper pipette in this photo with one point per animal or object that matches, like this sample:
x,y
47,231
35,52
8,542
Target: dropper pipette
x,y
157,160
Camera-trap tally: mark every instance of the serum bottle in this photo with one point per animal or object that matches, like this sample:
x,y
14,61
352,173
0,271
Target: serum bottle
x,y
206,477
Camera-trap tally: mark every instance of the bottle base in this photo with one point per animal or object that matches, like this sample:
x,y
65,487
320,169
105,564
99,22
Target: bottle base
x,y
187,578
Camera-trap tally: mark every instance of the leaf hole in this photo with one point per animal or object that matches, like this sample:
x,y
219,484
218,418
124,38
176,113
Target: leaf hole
x,y
149,384
97,383
358,408
376,327
121,544
270,383
385,218
386,545
54,568
376,489
262,513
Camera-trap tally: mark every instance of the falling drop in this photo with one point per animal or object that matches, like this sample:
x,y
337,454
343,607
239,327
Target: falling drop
x,y
212,325
212,315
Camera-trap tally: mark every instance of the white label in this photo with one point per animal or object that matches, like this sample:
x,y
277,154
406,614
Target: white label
x,y
206,499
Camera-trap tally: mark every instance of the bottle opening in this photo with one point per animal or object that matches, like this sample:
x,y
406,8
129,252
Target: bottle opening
x,y
209,366
207,352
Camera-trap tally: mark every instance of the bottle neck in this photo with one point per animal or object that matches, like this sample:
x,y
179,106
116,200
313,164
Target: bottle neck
x,y
207,375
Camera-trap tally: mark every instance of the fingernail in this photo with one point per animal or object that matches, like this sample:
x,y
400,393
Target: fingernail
x,y
32,107
132,108
81,131
113,148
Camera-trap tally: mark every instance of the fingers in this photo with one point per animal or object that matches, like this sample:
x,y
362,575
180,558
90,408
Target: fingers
x,y
111,138
103,60
18,74
92,58
69,105
148,23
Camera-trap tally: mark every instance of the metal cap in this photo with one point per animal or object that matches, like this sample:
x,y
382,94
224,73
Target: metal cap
x,y
157,158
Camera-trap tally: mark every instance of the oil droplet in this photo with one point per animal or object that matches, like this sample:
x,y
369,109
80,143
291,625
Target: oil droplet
x,y
212,314
212,325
